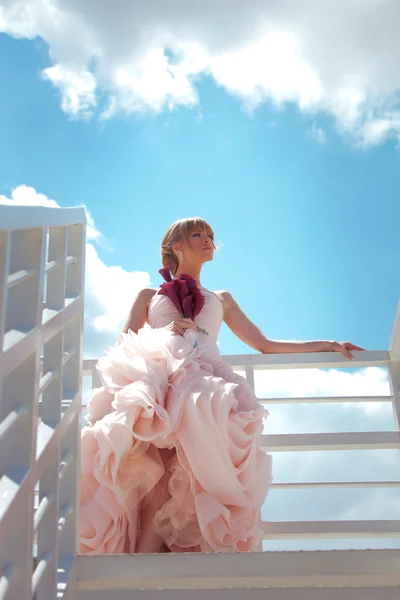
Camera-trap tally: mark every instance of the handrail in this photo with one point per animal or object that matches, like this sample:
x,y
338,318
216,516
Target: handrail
x,y
17,218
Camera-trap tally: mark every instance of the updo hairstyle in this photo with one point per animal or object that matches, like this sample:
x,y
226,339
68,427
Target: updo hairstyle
x,y
179,231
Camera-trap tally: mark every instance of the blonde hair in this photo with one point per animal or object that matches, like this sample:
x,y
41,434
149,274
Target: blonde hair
x,y
179,231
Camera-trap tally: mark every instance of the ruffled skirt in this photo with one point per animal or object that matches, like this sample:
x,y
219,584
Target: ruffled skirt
x,y
174,422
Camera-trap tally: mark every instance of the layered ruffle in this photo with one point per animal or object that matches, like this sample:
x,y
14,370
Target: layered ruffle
x,y
172,419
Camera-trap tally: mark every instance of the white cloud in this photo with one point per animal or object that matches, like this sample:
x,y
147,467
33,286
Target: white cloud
x,y
278,383
377,130
318,134
338,57
28,196
78,89
379,502
109,290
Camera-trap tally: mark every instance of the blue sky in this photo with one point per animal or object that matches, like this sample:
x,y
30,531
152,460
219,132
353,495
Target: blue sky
x,y
289,147
309,230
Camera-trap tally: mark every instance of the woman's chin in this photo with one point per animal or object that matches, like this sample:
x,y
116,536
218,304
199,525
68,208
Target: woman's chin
x,y
208,258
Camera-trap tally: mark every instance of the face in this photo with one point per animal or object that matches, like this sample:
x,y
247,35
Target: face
x,y
198,248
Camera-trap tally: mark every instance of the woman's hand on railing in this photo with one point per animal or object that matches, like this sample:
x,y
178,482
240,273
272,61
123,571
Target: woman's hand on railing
x,y
179,326
344,347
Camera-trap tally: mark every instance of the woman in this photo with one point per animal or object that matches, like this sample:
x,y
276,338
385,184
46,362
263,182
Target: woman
x,y
171,457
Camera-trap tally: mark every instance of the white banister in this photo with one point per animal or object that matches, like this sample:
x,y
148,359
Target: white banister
x,y
309,360
297,442
41,323
275,530
304,485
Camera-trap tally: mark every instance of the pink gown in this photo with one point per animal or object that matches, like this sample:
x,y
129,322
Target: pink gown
x,y
175,422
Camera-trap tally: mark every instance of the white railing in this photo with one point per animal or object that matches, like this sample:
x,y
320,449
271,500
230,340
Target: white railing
x,y
302,442
41,319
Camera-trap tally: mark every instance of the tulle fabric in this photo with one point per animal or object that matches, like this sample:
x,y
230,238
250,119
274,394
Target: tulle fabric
x,y
174,420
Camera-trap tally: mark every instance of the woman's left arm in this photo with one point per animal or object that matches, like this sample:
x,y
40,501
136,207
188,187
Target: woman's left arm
x,y
251,335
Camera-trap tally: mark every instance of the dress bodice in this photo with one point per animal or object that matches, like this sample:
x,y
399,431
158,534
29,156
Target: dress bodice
x,y
162,311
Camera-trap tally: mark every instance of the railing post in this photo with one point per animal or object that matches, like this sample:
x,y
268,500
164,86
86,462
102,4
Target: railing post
x,y
249,371
394,367
4,260
96,381
72,389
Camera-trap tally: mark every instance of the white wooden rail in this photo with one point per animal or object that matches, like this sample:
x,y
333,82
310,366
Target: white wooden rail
x,y
41,317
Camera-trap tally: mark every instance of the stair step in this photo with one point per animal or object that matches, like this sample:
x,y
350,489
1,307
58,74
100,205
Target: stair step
x,y
251,594
296,574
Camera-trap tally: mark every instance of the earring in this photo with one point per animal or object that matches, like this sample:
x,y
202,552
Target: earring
x,y
180,255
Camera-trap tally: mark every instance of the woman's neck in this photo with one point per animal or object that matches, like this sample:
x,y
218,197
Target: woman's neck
x,y
189,270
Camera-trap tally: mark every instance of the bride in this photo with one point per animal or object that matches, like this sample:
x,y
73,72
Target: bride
x,y
170,455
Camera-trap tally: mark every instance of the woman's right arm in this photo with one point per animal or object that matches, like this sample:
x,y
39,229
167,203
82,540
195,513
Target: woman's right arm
x,y
138,314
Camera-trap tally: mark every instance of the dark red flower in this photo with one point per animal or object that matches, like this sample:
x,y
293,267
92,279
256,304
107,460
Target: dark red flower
x,y
191,282
183,292
165,272
168,289
187,304
181,288
198,301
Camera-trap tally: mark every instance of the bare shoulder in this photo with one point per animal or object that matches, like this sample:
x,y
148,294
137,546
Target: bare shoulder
x,y
147,293
139,309
143,297
226,298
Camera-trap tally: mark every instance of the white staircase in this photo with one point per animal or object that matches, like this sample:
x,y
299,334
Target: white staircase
x,y
41,321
